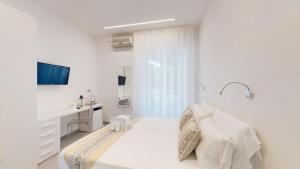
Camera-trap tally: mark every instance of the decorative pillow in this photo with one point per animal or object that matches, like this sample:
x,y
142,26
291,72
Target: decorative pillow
x,y
189,138
216,148
185,117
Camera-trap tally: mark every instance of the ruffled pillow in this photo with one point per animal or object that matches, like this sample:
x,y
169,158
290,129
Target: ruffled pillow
x,y
189,138
185,117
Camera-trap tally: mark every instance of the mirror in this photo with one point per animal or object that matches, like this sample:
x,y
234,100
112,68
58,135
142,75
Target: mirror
x,y
124,79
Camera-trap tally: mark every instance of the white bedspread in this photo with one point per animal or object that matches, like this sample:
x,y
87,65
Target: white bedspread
x,y
150,144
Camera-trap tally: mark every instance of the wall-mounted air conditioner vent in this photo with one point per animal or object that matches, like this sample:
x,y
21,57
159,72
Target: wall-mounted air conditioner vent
x,y
122,41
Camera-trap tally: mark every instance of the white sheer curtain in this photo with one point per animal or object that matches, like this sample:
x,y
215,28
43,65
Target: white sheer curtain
x,y
164,71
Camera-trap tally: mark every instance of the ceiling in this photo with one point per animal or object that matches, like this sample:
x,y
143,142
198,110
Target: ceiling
x,y
93,15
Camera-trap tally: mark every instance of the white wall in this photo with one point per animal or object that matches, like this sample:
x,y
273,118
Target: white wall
x,y
110,59
17,90
60,42
256,42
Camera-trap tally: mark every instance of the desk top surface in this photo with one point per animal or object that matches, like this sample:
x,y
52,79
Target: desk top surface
x,y
65,112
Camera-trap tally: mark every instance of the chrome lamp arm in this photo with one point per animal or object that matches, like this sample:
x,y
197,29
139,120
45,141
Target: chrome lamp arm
x,y
248,92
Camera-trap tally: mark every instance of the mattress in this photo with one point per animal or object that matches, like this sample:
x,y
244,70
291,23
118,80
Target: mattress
x,y
150,144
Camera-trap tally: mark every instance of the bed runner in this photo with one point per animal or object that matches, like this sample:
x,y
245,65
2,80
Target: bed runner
x,y
85,152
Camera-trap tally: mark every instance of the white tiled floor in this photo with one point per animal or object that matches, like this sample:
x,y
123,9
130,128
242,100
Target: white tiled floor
x,y
52,163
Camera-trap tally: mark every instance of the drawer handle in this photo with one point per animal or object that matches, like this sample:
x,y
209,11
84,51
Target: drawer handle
x,y
46,152
47,134
47,143
46,125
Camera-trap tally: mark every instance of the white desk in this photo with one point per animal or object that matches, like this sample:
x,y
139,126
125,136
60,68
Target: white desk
x,y
64,112
49,130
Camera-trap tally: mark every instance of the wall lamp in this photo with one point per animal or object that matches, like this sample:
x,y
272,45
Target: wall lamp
x,y
248,92
202,86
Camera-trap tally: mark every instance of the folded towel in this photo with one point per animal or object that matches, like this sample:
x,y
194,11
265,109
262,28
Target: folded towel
x,y
119,123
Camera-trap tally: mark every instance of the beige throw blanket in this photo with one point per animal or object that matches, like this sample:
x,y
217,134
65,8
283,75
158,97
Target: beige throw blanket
x,y
85,152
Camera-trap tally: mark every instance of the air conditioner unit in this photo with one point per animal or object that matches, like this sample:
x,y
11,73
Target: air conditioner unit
x,y
122,41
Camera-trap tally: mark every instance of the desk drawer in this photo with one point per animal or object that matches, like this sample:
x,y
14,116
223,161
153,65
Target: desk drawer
x,y
49,125
48,138
48,148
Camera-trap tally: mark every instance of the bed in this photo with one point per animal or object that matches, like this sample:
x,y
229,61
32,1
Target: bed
x,y
150,144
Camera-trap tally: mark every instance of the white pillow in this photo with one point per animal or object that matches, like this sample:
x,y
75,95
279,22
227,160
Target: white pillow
x,y
202,111
207,107
215,149
245,139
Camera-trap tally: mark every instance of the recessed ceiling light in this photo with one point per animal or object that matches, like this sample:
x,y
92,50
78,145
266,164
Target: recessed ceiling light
x,y
141,23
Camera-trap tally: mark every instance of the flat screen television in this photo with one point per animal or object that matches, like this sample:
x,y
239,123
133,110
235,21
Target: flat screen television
x,y
121,80
49,74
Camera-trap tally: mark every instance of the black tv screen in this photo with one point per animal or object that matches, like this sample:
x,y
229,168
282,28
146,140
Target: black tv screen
x,y
49,74
121,80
